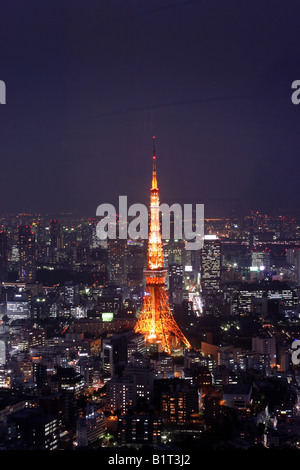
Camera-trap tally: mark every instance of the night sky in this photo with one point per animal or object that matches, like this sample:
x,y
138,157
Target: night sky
x,y
90,82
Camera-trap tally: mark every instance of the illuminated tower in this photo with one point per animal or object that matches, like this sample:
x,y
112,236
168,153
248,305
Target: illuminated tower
x,y
156,321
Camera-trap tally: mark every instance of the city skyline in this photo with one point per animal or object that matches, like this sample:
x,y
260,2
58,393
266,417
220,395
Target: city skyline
x,y
110,344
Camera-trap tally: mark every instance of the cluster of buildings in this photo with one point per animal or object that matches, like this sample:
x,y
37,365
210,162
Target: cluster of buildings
x,y
75,374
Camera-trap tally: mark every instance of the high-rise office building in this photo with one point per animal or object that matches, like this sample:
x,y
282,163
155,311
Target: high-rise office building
x,y
136,261
297,263
3,256
117,262
174,252
2,352
26,245
55,234
176,283
40,374
18,307
211,264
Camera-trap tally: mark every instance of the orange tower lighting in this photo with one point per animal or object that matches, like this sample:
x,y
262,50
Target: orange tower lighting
x,y
156,321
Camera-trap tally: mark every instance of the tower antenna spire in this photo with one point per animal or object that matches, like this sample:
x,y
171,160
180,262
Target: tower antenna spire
x,y
154,178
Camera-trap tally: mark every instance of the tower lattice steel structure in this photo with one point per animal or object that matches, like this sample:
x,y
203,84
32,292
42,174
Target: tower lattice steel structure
x,y
156,321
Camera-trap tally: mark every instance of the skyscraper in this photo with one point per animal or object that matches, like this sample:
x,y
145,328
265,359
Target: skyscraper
x,y
55,234
211,265
3,256
117,261
176,283
136,259
26,245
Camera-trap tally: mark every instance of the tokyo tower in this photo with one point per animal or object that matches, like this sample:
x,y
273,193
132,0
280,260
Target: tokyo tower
x,y
156,321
